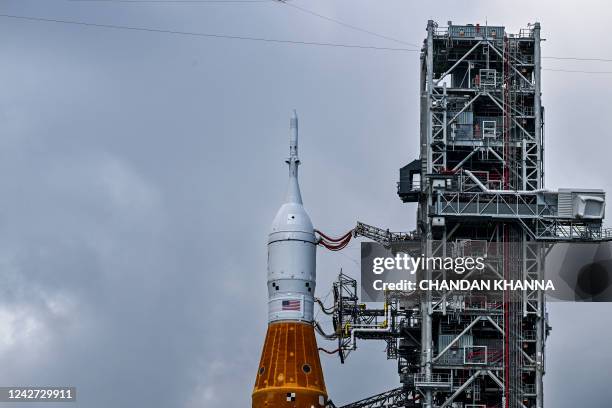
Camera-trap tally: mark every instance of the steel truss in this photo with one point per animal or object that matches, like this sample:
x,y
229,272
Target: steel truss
x,y
396,398
481,190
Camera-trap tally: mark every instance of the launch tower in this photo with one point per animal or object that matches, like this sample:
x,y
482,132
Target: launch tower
x,y
479,187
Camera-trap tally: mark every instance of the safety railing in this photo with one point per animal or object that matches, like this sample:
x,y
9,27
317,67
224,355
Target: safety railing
x,y
434,380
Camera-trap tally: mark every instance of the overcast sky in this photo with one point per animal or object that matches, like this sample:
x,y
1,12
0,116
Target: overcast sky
x,y
140,172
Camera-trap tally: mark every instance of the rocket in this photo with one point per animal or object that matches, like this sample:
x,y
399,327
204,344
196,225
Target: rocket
x,y
289,373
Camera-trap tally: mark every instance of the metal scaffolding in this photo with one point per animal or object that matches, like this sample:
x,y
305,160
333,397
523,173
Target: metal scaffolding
x,y
479,185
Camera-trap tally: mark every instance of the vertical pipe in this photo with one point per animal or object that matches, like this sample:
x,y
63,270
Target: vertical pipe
x,y
506,252
429,90
469,75
426,341
537,104
444,120
524,164
444,245
539,138
506,118
525,275
540,333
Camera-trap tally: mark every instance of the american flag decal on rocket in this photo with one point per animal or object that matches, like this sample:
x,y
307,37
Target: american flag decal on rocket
x,y
291,305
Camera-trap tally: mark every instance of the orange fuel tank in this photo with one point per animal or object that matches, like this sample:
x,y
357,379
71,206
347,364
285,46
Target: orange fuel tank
x,y
289,373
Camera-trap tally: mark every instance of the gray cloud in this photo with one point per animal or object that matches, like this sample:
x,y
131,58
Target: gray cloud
x,y
139,173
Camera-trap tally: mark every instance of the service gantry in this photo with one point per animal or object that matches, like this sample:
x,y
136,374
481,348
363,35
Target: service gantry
x,y
479,186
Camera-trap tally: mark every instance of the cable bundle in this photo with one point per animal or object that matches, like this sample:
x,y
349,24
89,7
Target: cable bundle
x,y
334,244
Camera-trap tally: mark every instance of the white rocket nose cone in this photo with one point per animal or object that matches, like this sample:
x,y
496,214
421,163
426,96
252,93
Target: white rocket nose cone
x,y
292,217
293,121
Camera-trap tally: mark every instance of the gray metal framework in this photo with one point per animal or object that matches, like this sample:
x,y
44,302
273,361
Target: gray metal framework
x,y
479,185
396,398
